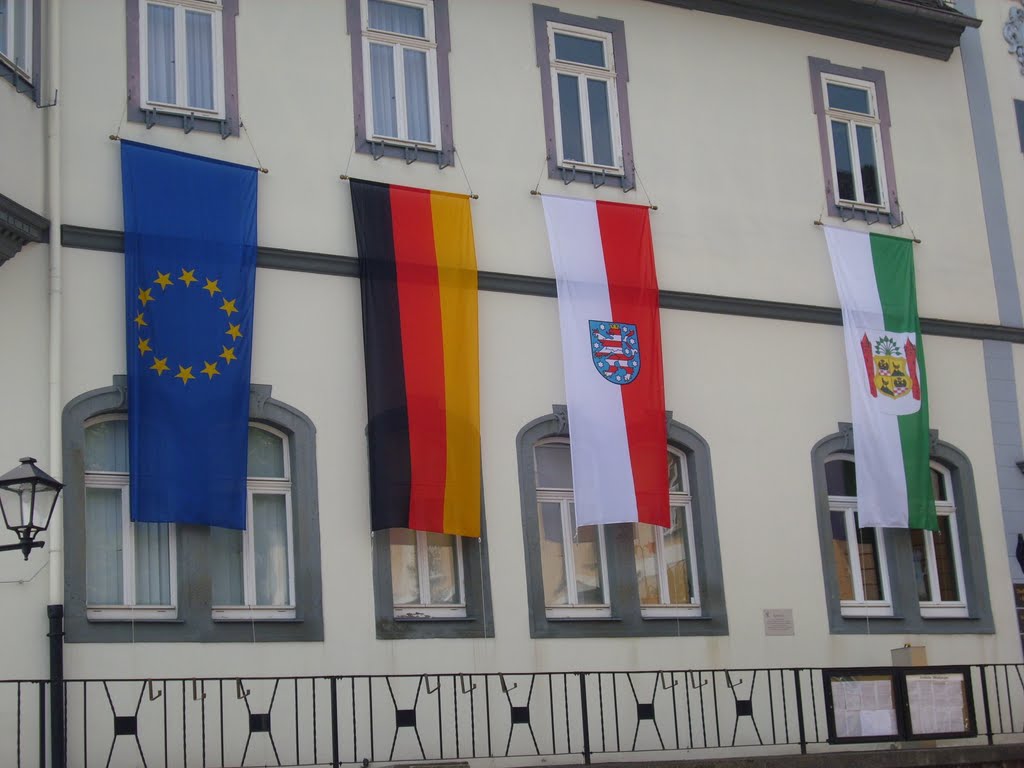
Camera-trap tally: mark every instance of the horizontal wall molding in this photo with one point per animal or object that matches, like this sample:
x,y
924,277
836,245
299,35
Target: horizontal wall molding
x,y
526,285
19,226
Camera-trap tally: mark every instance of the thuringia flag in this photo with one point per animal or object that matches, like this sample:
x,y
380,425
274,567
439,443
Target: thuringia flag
x,y
611,349
888,387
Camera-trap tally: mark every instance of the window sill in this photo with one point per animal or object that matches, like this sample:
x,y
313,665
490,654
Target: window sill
x,y
106,616
674,617
22,82
597,170
433,619
232,613
854,614
944,612
410,152
582,619
186,120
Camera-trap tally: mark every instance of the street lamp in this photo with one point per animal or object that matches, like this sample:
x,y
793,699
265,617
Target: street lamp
x,y
28,513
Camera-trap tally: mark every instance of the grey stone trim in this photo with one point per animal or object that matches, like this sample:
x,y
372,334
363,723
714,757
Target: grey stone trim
x,y
529,285
821,67
137,113
626,619
22,84
18,227
542,15
479,619
901,25
997,220
906,618
1018,108
446,155
194,622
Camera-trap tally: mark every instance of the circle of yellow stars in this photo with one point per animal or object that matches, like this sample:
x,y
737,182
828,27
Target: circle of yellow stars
x,y
160,364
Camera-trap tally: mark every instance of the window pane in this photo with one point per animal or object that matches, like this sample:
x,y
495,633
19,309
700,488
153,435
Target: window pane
x,y
443,567
417,97
945,564
645,553
552,554
676,548
586,553
677,480
199,43
939,486
152,564
868,165
104,564
405,574
600,122
844,161
270,548
554,466
392,17
849,99
870,565
226,563
160,43
919,546
572,125
841,478
382,84
582,50
841,553
266,454
5,9
106,447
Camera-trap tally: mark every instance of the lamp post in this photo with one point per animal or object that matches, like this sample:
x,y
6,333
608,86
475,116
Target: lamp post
x,y
28,504
28,497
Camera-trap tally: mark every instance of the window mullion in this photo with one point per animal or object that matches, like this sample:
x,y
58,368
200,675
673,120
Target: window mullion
x,y
401,118
127,551
423,567
858,182
180,58
853,542
659,550
935,594
691,552
249,554
585,126
568,537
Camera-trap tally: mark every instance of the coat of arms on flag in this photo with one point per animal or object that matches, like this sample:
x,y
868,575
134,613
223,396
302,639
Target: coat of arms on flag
x,y
890,362
615,350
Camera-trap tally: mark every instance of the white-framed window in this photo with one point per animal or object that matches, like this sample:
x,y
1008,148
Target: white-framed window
x,y
861,566
254,570
427,574
16,35
855,142
400,72
937,565
574,561
665,557
181,56
583,87
131,568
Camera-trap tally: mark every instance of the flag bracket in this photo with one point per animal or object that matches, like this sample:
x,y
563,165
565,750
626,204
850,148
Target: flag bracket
x,y
820,223
537,193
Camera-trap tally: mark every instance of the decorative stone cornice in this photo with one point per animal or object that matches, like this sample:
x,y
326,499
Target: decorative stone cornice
x,y
923,27
19,226
1013,33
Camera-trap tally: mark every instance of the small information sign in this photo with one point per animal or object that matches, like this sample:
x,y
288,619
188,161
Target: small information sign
x,y
778,622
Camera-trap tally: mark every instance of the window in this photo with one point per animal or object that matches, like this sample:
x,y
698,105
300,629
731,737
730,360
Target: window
x,y
427,574
252,569
665,558
181,64
147,582
859,552
583,84
130,567
618,580
400,65
894,580
16,35
853,122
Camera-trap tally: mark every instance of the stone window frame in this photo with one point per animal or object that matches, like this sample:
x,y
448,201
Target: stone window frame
x,y
194,621
876,77
230,124
445,156
30,86
626,619
544,15
906,615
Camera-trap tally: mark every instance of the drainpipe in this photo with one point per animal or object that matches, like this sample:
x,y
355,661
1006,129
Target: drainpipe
x,y
55,608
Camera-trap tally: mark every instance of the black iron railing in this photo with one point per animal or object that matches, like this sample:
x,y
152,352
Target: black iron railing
x,y
363,719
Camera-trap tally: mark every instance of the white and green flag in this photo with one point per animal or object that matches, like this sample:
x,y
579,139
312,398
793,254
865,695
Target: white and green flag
x,y
888,386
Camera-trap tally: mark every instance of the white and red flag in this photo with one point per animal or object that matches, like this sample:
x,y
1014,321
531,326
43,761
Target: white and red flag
x,y
611,349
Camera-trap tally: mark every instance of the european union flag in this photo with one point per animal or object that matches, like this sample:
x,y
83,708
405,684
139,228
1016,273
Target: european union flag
x,y
190,278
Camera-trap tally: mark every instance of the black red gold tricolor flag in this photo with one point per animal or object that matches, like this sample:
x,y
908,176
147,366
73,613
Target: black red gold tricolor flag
x,y
418,279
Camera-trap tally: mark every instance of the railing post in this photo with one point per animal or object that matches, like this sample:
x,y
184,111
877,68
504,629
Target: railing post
x,y
42,724
335,751
585,717
984,701
55,613
800,712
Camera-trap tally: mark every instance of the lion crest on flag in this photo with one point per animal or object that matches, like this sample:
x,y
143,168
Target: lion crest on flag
x,y
615,350
891,368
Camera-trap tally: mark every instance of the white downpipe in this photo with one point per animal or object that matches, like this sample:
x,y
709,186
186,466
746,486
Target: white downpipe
x,y
55,535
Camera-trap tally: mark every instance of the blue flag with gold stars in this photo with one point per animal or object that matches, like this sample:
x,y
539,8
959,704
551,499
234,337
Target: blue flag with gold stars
x,y
190,278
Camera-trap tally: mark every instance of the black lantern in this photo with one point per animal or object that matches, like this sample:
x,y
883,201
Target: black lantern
x,y
27,500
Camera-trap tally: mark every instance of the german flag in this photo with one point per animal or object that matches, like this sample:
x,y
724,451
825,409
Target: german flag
x,y
418,280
